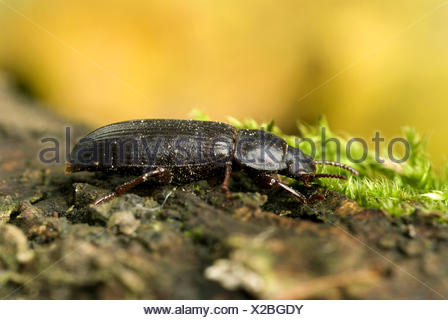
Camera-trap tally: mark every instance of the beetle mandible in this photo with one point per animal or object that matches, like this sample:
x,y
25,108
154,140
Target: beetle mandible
x,y
182,151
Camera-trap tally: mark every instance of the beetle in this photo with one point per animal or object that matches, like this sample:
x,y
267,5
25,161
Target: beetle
x,y
183,151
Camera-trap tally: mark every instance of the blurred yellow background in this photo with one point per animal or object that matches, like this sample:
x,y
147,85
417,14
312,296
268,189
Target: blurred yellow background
x,y
367,65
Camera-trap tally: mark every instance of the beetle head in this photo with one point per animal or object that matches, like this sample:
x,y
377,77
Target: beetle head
x,y
299,165
303,167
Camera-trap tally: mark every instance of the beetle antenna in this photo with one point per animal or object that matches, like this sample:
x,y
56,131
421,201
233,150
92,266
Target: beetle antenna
x,y
337,164
330,175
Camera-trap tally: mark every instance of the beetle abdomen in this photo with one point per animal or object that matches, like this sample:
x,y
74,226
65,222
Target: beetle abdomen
x,y
139,145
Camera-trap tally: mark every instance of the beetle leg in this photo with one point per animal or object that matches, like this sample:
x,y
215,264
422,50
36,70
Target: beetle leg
x,y
317,197
271,181
131,184
306,184
225,183
278,177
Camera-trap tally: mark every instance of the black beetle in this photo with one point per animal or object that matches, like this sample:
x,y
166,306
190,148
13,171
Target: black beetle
x,y
182,151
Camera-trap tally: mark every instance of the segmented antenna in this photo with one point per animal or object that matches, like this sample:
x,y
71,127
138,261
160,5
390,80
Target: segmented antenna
x,y
329,175
337,164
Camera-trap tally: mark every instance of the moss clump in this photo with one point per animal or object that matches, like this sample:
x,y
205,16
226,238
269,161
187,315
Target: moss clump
x,y
398,188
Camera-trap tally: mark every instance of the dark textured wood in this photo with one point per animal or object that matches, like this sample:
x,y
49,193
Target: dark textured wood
x,y
193,242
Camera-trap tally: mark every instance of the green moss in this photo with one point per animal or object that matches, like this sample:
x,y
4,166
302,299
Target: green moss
x,y
195,234
8,206
398,188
